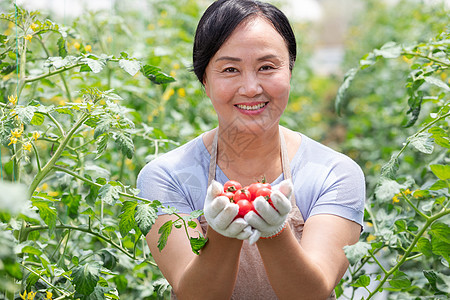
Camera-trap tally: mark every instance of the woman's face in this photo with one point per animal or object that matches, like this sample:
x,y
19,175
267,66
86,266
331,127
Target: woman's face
x,y
248,79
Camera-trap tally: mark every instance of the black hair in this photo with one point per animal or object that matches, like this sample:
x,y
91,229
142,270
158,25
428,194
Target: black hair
x,y
222,17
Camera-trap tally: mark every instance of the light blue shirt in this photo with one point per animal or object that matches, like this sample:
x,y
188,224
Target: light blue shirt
x,y
325,181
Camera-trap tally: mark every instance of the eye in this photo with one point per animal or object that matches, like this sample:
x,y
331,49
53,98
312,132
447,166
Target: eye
x,y
230,70
266,68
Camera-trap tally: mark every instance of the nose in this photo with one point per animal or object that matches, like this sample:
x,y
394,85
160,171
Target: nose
x,y
250,85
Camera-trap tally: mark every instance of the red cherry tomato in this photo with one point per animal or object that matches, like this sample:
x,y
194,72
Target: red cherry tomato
x,y
242,194
244,207
265,192
229,195
231,186
253,188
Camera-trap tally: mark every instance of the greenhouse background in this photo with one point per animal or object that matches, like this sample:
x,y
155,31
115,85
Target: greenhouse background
x,y
90,91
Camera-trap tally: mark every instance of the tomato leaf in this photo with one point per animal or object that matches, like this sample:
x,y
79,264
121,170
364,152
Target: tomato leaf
x,y
340,97
145,217
441,171
197,243
85,277
437,82
73,203
155,75
357,251
62,50
442,231
424,246
125,143
389,170
400,280
130,66
47,213
422,142
164,232
109,193
362,281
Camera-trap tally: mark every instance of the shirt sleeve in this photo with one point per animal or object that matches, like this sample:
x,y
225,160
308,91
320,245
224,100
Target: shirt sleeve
x,y
343,191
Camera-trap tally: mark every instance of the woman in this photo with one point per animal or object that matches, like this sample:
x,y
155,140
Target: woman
x,y
244,52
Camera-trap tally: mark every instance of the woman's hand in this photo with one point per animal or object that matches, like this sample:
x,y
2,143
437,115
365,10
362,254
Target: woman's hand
x,y
221,214
268,220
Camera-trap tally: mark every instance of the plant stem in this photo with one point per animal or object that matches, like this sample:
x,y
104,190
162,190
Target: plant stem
x,y
59,168
58,125
60,70
51,163
378,263
427,57
414,207
36,153
428,223
87,230
46,281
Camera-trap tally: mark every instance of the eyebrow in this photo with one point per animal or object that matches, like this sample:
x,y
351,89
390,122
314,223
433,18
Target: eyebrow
x,y
231,58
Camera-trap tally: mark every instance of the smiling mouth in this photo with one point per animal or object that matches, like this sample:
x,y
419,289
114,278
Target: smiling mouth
x,y
251,107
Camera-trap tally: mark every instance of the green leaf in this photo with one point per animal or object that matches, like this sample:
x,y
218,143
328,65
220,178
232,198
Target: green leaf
x,y
197,243
340,97
362,281
442,231
440,247
85,277
422,142
431,277
103,125
155,75
73,203
109,193
25,113
47,213
161,285
192,224
424,246
196,213
389,50
126,217
145,217
164,232
437,82
130,66
387,189
93,195
94,65
125,142
101,145
38,119
400,280
357,251
62,50
389,170
31,250
441,171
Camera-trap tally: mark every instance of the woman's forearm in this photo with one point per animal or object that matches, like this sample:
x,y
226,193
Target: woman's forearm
x,y
212,274
290,270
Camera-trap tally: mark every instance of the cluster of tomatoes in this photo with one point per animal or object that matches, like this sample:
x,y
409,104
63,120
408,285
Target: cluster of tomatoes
x,y
244,196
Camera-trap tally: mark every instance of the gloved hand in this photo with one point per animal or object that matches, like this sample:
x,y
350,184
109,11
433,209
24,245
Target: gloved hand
x,y
220,213
269,221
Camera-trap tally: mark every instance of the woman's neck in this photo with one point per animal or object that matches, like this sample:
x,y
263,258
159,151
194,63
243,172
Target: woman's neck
x,y
248,157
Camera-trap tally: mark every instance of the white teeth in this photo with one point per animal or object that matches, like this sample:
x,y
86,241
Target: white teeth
x,y
253,107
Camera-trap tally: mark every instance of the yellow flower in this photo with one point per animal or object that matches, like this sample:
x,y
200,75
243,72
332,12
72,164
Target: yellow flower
x,y
36,135
370,238
76,45
167,94
24,296
31,295
88,48
395,199
369,224
12,99
181,92
173,73
28,37
17,133
49,295
34,26
44,186
53,194
27,146
407,192
176,66
13,140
